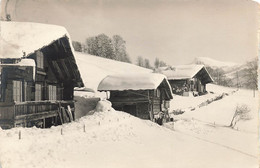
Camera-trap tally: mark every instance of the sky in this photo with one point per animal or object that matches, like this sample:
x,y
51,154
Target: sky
x,y
175,31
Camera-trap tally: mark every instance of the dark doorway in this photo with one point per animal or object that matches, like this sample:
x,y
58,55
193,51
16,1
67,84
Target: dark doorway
x,y
131,109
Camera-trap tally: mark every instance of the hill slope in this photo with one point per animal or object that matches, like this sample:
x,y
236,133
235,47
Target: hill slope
x,y
93,68
226,66
226,73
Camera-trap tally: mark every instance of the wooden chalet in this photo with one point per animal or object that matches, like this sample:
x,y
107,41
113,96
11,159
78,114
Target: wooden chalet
x,y
142,95
38,74
187,78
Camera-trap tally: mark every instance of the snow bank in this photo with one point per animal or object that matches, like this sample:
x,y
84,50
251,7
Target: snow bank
x,y
103,106
113,139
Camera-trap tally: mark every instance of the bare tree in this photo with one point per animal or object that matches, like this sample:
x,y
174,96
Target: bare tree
x,y
241,113
251,74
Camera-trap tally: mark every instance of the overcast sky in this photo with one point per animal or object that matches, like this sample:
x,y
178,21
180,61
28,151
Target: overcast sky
x,y
176,31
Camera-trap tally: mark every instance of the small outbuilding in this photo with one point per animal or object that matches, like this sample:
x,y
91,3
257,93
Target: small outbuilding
x,y
187,78
142,95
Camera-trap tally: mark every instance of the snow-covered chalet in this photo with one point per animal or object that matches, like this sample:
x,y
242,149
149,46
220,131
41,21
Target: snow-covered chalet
x,y
38,74
185,79
144,95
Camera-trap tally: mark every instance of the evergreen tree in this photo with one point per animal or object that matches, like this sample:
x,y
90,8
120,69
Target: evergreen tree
x,y
147,63
140,61
156,63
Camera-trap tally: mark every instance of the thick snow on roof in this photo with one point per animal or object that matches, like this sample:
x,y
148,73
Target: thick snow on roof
x,y
20,39
94,69
143,81
181,71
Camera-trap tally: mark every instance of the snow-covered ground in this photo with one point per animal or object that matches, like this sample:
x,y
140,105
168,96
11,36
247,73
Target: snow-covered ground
x,y
191,102
117,139
198,138
210,123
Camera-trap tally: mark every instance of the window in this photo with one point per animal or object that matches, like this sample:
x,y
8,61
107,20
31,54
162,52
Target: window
x,y
157,92
17,91
39,59
52,92
38,92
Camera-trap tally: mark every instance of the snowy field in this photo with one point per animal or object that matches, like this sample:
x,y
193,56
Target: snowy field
x,y
116,139
210,123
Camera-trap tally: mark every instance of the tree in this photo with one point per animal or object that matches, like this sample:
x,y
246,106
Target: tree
x,y
104,46
100,45
126,58
156,63
162,64
147,63
218,75
140,61
77,46
250,73
119,46
241,113
92,46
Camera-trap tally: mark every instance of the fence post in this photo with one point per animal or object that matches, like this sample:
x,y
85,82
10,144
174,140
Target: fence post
x,y
20,134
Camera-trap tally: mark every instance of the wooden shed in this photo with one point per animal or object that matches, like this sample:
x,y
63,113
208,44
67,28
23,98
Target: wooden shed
x,y
187,78
38,74
142,95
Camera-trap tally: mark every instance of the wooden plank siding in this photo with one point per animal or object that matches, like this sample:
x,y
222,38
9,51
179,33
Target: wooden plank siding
x,y
57,69
141,103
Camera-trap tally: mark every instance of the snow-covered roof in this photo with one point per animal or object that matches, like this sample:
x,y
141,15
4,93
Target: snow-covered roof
x,y
20,39
140,81
184,72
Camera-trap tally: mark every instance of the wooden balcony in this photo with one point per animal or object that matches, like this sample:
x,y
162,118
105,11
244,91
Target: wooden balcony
x,y
21,112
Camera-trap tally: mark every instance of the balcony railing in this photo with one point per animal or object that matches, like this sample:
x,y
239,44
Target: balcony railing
x,y
11,110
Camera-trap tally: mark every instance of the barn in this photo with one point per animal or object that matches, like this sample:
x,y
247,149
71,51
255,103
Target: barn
x,y
38,74
142,95
185,79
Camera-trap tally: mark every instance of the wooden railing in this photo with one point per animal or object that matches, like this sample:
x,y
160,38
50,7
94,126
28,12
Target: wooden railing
x,y
6,111
24,108
10,110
